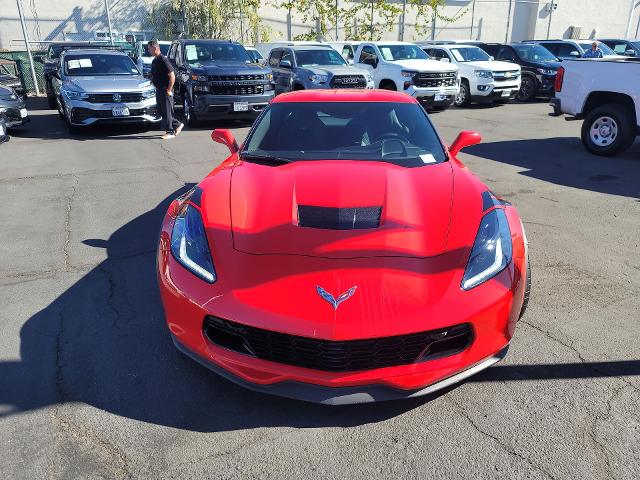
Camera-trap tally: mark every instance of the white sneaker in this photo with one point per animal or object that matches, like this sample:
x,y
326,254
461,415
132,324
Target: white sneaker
x,y
179,129
167,136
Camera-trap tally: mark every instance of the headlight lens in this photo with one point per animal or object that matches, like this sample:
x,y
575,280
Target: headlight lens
x,y
408,73
484,74
491,251
74,94
546,71
149,93
199,78
319,78
189,244
269,76
11,97
3,109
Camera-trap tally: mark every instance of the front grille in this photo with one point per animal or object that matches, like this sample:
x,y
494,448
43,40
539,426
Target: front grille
x,y
235,78
13,114
338,356
331,218
442,79
236,90
108,98
348,81
502,76
82,114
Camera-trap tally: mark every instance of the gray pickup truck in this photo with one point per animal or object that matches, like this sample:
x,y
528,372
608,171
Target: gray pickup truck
x,y
306,67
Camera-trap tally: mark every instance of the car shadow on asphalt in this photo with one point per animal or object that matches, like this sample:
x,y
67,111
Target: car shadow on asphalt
x,y
564,161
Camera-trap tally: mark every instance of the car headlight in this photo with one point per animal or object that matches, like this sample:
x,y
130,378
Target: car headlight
x,y
491,252
189,244
269,76
3,109
74,94
150,93
199,78
546,71
319,78
484,74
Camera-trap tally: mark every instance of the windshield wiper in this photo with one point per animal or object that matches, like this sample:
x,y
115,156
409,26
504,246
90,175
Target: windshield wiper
x,y
266,159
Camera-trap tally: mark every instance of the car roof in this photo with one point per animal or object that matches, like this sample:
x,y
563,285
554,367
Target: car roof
x,y
297,48
339,95
206,40
389,42
93,51
449,46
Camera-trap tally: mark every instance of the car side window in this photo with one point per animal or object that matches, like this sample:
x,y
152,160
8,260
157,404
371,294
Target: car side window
x,y
566,50
491,50
552,47
274,58
618,47
506,54
368,53
440,54
286,55
178,56
172,52
347,52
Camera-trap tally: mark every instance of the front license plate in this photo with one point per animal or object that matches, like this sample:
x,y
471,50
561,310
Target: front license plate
x,y
240,106
120,112
440,97
23,112
506,93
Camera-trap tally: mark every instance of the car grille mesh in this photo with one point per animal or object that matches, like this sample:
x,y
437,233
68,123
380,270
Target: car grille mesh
x,y
236,90
338,356
331,218
108,97
445,79
82,114
235,78
348,81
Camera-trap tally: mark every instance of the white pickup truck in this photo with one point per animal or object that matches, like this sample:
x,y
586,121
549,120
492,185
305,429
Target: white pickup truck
x,y
404,67
606,95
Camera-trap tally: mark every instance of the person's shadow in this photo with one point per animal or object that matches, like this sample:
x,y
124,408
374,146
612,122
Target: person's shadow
x,y
104,342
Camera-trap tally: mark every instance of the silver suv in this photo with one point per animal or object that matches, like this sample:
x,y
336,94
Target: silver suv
x,y
102,86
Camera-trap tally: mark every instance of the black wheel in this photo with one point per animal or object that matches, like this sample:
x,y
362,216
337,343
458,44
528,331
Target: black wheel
x,y
464,95
297,87
527,90
189,117
52,102
527,290
387,85
608,130
60,109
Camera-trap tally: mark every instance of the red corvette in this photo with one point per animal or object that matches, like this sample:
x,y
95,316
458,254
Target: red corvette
x,y
343,254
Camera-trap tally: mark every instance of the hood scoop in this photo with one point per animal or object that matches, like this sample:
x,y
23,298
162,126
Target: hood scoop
x,y
330,218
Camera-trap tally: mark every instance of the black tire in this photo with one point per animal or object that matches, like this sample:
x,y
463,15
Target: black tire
x,y
187,110
388,85
608,130
297,87
527,290
463,98
51,101
527,90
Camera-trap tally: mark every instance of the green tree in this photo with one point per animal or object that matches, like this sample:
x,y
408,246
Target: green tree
x,y
427,11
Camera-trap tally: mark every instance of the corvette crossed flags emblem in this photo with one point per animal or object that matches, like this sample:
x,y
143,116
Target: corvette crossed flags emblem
x,y
335,301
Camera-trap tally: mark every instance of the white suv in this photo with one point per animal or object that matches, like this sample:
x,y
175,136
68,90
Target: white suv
x,y
482,79
404,67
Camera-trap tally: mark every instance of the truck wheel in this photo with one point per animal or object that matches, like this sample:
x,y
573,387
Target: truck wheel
x,y
527,89
387,85
464,95
608,130
189,117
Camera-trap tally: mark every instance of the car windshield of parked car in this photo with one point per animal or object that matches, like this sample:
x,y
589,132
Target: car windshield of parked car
x,y
534,53
398,133
93,64
195,53
164,49
605,50
311,58
402,52
470,54
255,55
635,44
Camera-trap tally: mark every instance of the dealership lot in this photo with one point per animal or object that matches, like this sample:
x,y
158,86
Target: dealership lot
x,y
91,385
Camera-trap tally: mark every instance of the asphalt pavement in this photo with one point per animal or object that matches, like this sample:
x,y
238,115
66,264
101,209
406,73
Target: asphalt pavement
x,y
92,387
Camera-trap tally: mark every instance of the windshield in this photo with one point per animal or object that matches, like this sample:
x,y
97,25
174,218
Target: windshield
x,y
470,54
310,58
254,54
164,49
398,133
205,52
605,50
635,44
402,52
534,53
98,64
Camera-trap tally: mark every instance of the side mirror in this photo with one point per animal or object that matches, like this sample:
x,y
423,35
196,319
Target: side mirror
x,y
370,61
285,64
350,61
463,140
630,53
574,54
224,136
445,60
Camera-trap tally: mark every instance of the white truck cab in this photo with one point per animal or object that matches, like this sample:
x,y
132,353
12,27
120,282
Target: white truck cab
x,y
405,67
482,79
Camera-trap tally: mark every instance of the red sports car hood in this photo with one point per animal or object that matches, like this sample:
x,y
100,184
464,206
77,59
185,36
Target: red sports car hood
x,y
311,208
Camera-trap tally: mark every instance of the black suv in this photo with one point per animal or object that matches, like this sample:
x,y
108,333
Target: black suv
x,y
539,67
218,79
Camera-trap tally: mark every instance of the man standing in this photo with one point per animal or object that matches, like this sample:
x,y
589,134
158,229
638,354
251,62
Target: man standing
x,y
595,52
163,78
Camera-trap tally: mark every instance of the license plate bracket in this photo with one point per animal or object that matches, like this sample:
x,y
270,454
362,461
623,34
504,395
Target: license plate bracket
x,y
120,111
23,113
439,97
506,93
240,106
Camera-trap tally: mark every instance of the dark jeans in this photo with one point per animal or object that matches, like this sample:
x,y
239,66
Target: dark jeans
x,y
165,105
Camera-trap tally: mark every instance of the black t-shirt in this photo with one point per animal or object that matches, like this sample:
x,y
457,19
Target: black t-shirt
x,y
160,69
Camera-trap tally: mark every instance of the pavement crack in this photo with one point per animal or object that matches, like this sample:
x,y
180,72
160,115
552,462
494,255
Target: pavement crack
x,y
117,300
507,448
67,222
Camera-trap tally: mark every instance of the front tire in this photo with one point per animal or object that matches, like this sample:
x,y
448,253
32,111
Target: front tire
x,y
608,130
189,117
527,90
388,85
464,95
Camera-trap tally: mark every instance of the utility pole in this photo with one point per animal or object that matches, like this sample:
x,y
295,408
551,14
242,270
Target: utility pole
x,y
336,20
404,17
106,6
552,6
26,42
473,19
506,34
632,7
371,29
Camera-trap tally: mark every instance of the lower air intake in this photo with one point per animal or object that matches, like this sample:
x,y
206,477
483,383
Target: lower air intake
x,y
331,218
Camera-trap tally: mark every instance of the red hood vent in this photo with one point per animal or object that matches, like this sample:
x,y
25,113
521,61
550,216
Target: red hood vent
x,y
330,218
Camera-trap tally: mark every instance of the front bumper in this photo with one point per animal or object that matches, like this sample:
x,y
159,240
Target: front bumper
x,y
207,106
428,95
14,116
84,113
545,85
